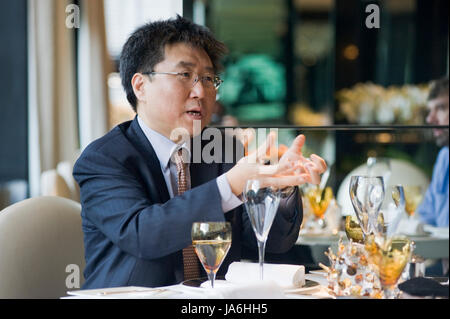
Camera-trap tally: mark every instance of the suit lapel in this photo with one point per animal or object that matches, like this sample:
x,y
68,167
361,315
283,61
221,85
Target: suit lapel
x,y
140,141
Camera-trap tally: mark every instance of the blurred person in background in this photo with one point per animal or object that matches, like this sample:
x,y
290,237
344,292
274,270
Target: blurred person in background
x,y
434,208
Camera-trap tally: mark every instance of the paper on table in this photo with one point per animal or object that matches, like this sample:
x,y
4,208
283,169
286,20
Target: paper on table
x,y
286,276
124,292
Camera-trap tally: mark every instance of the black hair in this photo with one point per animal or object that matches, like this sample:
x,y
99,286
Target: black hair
x,y
145,48
438,87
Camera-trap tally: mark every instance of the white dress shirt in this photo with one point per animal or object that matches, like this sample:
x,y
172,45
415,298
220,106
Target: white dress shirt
x,y
164,148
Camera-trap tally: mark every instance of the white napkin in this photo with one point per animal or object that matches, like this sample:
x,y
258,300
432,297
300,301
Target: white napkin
x,y
285,276
410,226
254,290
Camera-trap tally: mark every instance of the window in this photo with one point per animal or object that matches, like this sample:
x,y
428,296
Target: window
x,y
121,19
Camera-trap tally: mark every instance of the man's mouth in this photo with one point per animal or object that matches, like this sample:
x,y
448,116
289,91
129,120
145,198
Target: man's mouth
x,y
437,132
195,114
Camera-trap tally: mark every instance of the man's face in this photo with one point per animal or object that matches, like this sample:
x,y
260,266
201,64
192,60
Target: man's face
x,y
167,102
438,115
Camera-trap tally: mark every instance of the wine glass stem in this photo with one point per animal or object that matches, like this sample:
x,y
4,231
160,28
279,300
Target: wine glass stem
x,y
261,249
212,277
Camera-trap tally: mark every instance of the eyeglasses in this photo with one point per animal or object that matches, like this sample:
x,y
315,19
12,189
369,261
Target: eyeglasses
x,y
191,78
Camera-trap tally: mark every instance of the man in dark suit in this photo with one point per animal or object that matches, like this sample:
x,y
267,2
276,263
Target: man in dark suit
x,y
136,221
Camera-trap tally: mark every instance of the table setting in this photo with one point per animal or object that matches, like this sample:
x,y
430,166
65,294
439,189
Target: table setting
x,y
243,280
375,261
282,281
378,255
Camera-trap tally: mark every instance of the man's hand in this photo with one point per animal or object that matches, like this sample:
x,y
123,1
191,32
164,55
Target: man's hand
x,y
293,168
311,168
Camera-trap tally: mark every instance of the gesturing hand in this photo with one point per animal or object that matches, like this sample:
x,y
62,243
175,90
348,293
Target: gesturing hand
x,y
293,168
309,168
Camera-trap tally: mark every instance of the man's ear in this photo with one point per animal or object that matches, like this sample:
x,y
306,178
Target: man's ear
x,y
137,82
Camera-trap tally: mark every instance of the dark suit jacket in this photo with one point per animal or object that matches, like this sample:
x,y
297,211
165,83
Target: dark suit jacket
x,y
134,233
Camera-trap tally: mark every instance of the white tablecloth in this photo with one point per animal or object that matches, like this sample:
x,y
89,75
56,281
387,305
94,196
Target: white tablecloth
x,y
222,290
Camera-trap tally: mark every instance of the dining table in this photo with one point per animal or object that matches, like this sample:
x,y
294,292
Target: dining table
x,y
315,284
260,293
315,288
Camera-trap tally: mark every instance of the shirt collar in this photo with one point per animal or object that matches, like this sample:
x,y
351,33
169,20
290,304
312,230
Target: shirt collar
x,y
164,147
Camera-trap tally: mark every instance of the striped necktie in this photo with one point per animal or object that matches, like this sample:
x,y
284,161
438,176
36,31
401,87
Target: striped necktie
x,y
191,265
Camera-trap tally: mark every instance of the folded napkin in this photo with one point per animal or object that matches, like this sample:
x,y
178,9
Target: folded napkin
x,y
423,287
285,276
254,290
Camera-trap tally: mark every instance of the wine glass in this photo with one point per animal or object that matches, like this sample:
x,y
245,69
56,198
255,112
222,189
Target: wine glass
x,y
413,197
367,195
261,204
211,241
388,257
379,166
319,200
398,196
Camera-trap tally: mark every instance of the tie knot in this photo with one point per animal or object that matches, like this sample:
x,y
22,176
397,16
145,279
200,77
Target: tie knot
x,y
182,154
179,159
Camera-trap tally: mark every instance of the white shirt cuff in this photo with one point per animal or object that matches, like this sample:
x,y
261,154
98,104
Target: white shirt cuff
x,y
229,200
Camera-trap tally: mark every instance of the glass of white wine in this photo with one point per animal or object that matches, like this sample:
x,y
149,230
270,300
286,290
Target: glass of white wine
x,y
319,200
389,257
211,241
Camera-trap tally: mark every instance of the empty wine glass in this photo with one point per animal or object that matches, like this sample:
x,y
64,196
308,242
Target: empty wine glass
x,y
367,195
211,241
261,204
379,166
398,196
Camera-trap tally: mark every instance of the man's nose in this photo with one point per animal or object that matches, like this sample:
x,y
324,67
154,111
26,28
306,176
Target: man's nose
x,y
431,117
198,90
